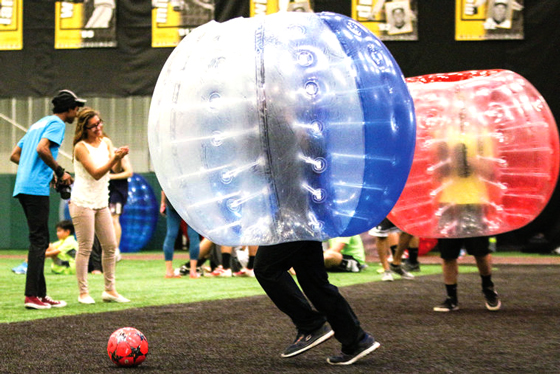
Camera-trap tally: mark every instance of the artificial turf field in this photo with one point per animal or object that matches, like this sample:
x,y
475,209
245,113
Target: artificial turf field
x,y
247,334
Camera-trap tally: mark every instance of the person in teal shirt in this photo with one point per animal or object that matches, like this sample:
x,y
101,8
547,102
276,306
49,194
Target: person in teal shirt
x,y
63,252
36,154
345,254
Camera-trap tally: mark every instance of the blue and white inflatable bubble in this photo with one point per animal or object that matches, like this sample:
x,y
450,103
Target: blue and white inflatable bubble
x,y
140,215
291,126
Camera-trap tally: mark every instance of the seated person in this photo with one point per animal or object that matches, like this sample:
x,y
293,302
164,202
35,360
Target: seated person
x,y
345,254
63,251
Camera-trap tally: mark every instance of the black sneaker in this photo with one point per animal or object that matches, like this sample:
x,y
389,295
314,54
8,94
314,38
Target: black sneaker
x,y
448,305
366,346
493,302
411,267
398,269
185,269
307,341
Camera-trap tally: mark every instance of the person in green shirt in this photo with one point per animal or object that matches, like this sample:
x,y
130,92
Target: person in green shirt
x,y
63,251
345,254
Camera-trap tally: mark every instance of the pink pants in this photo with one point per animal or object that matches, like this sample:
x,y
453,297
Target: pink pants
x,y
87,223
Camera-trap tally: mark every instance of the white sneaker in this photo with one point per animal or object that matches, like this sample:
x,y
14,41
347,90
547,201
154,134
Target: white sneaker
x,y
556,251
226,273
387,276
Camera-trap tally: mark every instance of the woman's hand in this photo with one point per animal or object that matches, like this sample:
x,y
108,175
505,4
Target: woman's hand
x,y
121,152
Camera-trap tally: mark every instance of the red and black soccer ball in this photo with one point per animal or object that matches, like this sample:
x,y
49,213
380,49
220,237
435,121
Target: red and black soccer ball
x,y
127,347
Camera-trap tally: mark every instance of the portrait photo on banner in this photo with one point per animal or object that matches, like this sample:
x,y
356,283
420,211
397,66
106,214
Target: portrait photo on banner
x,y
398,17
388,20
499,14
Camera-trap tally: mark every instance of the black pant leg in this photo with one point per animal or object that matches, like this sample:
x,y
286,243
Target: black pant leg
x,y
36,209
271,270
325,297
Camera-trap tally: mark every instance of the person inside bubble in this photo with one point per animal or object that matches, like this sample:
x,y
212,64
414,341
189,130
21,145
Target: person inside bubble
x,y
465,166
332,316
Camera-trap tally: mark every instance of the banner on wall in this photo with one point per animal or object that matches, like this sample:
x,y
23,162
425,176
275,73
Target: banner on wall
x,y
488,19
11,27
85,24
388,20
264,7
172,20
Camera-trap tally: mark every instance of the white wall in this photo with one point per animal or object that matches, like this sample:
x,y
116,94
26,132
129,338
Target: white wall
x,y
125,121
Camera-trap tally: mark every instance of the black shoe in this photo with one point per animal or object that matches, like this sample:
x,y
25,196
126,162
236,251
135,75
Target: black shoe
x,y
366,346
448,305
185,269
350,265
411,267
492,300
398,269
307,341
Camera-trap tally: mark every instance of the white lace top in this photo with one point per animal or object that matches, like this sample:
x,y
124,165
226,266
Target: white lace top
x,y
86,191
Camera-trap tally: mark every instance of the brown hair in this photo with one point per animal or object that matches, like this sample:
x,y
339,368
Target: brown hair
x,y
83,118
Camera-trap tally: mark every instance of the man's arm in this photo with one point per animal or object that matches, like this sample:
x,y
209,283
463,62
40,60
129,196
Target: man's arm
x,y
16,155
44,151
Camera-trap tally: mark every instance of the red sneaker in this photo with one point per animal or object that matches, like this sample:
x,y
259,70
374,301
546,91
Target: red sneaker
x,y
53,303
245,273
34,302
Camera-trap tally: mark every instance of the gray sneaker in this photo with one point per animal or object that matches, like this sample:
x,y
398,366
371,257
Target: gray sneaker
x,y
410,267
493,302
448,305
305,341
365,347
398,269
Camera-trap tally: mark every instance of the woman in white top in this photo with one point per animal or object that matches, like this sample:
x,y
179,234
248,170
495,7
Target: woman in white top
x,y
94,156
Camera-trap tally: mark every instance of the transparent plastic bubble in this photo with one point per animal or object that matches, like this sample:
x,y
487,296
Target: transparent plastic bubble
x,y
281,128
486,160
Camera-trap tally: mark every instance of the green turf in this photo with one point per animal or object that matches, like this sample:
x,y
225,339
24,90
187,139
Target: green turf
x,y
142,282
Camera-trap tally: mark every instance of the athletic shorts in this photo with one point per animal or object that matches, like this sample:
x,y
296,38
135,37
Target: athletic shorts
x,y
383,230
116,203
116,208
451,248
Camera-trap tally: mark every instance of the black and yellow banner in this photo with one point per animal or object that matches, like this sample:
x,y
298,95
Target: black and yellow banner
x,y
11,25
488,19
388,19
264,7
172,20
85,24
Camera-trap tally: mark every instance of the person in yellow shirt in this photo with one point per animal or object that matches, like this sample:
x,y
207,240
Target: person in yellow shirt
x,y
63,251
466,166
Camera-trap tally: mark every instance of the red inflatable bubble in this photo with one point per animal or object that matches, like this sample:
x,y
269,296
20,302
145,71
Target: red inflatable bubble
x,y
425,245
486,157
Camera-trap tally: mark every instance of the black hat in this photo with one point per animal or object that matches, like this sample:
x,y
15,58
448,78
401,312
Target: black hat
x,y
66,99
